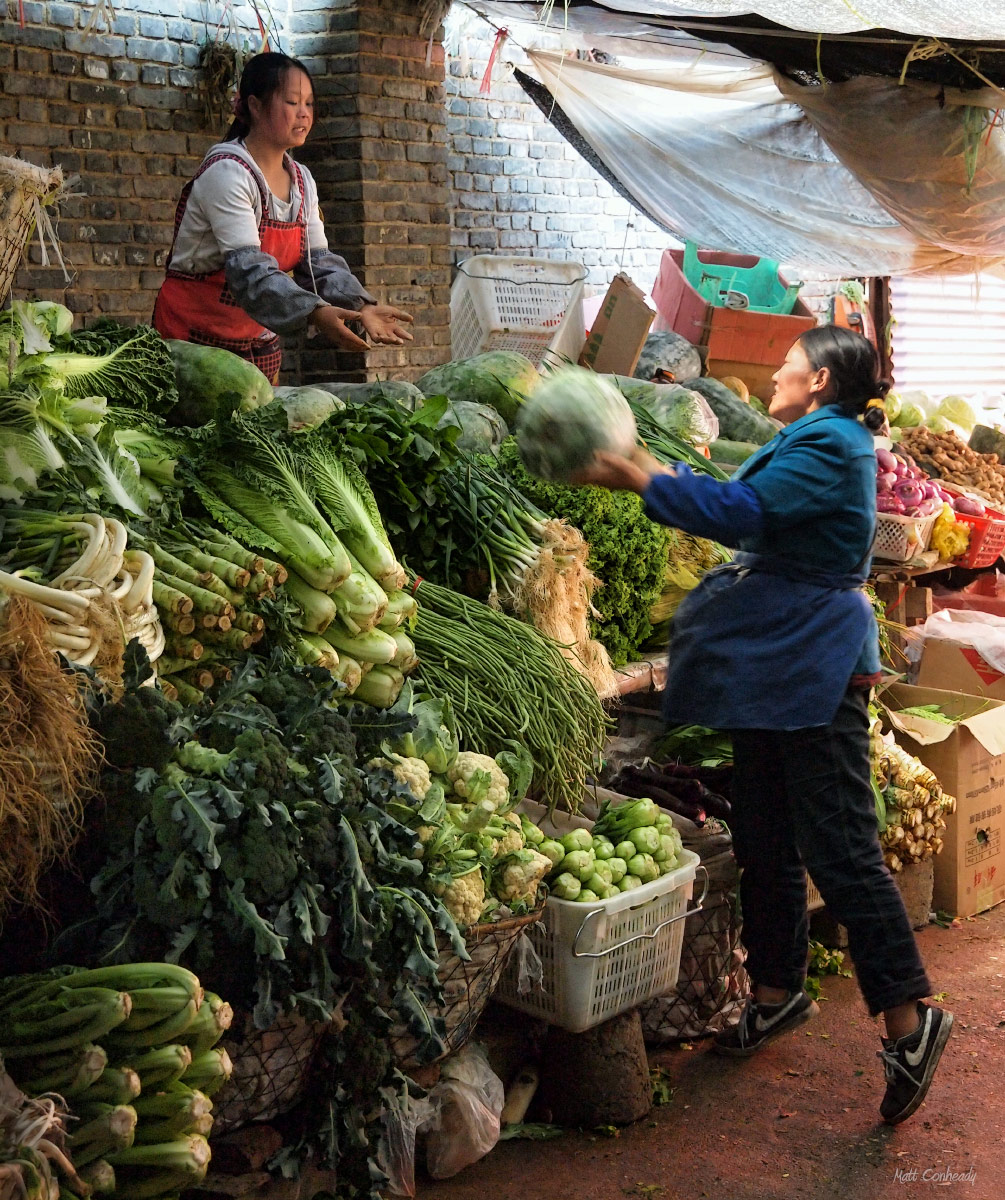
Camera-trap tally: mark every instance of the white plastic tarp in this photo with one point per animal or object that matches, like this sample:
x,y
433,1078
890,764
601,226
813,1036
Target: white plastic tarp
x,y
717,153
965,19
907,143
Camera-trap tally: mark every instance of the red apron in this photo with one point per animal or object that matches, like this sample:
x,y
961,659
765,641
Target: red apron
x,y
202,308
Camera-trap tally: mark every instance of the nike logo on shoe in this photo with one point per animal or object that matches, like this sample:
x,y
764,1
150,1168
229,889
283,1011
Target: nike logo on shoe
x,y
762,1025
914,1057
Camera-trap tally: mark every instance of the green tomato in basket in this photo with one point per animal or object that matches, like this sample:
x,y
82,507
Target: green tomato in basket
x,y
566,887
625,850
603,847
577,839
668,865
603,869
586,896
629,882
646,839
644,865
552,850
619,869
579,863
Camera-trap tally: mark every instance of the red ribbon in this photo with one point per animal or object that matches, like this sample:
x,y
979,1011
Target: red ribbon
x,y
415,586
497,45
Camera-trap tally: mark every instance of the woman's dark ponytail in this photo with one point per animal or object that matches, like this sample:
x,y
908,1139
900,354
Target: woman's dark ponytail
x,y
262,77
853,364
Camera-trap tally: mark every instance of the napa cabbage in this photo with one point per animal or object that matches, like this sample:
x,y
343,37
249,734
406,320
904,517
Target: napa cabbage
x,y
573,414
958,412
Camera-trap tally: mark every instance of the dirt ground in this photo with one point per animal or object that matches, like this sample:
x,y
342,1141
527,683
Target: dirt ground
x,y
800,1120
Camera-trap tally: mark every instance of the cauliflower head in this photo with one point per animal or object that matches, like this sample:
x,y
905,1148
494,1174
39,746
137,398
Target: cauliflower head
x,y
513,839
479,780
412,772
520,876
464,898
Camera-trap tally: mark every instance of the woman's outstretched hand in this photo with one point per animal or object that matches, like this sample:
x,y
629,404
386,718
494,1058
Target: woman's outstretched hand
x,y
330,322
384,324
621,474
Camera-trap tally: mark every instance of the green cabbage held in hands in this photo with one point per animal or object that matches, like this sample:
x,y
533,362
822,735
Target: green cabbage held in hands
x,y
573,414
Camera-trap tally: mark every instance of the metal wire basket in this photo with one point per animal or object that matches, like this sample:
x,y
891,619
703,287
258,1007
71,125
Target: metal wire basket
x,y
25,190
271,1069
467,986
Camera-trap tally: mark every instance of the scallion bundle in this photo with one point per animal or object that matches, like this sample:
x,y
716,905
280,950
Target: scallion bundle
x,y
507,681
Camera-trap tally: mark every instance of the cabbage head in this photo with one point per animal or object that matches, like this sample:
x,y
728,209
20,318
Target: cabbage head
x,y
909,415
892,404
572,414
958,412
483,430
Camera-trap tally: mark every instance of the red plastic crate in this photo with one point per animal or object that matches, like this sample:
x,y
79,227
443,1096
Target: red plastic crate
x,y
731,335
987,538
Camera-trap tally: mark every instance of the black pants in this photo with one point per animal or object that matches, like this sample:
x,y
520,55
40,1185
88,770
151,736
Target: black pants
x,y
803,801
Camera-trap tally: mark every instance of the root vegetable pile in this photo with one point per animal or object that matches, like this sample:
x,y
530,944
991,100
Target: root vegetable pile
x,y
948,457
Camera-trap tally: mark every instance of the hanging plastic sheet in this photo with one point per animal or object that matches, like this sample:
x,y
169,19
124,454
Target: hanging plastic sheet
x,y
925,154
719,156
924,18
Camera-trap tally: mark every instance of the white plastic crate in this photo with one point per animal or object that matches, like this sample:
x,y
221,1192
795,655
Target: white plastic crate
x,y
531,305
602,959
814,900
892,536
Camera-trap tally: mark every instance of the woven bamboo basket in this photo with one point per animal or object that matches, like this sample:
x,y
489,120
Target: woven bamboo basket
x,y
467,986
24,189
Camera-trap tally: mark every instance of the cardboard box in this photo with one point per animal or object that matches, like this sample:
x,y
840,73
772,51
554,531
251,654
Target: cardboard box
x,y
955,667
619,331
969,761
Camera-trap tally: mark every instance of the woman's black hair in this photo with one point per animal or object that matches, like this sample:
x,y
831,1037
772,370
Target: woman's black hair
x,y
262,77
853,364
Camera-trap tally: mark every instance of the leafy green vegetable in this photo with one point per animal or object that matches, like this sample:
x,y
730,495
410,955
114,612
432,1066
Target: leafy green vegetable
x,y
627,551
128,365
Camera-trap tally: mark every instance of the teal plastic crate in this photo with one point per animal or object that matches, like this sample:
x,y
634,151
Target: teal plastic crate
x,y
754,288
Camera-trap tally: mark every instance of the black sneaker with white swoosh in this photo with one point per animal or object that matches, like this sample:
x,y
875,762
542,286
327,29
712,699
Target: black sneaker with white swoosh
x,y
910,1063
759,1023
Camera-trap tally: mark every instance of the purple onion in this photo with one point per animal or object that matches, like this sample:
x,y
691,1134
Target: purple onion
x,y
885,460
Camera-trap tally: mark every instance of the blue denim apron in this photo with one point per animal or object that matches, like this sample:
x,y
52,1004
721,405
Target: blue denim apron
x,y
768,644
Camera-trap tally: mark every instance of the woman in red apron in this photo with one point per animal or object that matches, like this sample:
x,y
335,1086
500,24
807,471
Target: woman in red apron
x,y
250,258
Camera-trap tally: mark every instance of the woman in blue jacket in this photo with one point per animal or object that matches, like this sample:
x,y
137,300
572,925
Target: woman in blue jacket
x,y
780,648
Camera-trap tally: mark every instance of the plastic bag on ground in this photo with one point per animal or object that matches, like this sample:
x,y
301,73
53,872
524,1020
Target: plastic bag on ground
x,y
529,967
402,1117
469,1100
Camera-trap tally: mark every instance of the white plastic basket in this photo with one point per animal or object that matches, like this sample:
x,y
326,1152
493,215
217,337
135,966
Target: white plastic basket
x,y
814,900
531,305
602,959
893,536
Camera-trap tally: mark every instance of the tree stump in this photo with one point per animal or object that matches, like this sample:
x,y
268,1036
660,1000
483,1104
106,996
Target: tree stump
x,y
600,1077
916,882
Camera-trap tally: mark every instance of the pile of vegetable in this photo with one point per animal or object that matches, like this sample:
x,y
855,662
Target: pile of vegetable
x,y
246,840
689,559
475,853
629,845
49,758
948,458
628,553
131,1050
34,1158
910,803
903,489
94,592
951,414
507,683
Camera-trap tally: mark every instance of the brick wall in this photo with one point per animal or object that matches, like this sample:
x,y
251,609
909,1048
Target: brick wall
x,y
121,108
517,185
379,156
